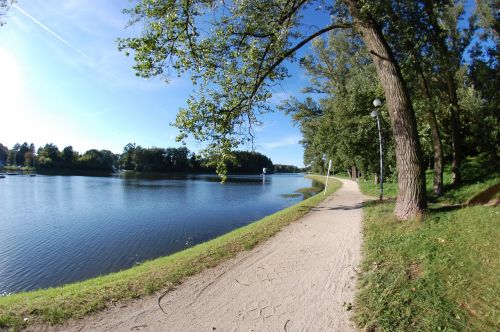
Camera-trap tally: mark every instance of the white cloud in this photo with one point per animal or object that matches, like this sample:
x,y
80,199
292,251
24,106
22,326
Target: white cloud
x,y
279,97
285,141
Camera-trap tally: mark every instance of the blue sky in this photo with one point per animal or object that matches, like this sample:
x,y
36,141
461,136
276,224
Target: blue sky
x,y
63,81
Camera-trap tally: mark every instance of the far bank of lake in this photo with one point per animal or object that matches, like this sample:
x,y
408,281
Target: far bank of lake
x,y
60,229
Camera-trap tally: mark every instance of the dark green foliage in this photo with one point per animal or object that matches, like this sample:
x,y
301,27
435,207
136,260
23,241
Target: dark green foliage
x,y
134,158
94,160
279,168
49,157
137,158
4,154
69,157
339,126
22,154
479,82
250,162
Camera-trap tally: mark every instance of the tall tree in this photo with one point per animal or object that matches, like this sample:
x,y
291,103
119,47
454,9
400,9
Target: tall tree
x,y
49,156
408,34
338,126
234,53
450,43
68,156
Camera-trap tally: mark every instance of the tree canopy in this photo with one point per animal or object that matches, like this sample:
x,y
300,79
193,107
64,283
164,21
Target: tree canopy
x,y
234,53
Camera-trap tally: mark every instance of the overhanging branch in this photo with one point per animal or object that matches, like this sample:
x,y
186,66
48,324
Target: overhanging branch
x,y
286,55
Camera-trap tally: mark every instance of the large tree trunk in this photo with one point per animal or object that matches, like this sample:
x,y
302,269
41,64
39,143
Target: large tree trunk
x,y
411,200
436,139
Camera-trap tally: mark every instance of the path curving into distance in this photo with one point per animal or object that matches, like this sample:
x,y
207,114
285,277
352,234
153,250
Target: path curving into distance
x,y
298,280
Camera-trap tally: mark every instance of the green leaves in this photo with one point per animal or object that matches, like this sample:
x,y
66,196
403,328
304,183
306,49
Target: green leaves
x,y
233,53
338,126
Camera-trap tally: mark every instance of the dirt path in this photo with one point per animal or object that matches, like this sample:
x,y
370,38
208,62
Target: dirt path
x,y
297,281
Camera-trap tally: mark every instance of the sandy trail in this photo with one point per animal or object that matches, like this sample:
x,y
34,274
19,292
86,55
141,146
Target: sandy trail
x,y
298,280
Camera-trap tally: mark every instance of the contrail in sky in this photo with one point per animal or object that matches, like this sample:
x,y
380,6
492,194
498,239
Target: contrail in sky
x,y
61,39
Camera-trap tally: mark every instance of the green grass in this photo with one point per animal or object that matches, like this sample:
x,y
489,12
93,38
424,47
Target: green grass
x,y
478,174
439,273
373,189
56,305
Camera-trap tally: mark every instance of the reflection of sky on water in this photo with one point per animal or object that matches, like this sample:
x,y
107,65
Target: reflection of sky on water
x,y
58,229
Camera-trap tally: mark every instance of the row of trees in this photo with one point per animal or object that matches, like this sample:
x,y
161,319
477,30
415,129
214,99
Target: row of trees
x,y
456,113
279,168
133,158
20,154
410,51
49,157
137,158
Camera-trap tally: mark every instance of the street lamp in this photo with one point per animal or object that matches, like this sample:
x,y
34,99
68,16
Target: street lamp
x,y
374,114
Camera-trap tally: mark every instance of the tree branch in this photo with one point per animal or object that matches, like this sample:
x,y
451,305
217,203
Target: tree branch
x,y
289,53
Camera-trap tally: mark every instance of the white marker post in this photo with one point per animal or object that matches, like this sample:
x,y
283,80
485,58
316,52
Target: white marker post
x,y
327,175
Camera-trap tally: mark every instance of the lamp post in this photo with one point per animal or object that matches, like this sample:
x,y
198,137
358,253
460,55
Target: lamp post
x,y
374,114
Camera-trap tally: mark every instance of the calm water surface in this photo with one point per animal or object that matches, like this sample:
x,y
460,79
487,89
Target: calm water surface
x,y
60,229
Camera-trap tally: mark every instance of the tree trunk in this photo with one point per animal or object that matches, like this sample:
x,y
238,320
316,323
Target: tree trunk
x,y
354,172
448,71
456,140
438,153
436,139
411,200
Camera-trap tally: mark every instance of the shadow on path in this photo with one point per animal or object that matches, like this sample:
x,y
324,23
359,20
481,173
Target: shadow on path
x,y
339,207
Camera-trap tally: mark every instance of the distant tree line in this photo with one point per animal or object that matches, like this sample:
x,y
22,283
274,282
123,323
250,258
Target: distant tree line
x,y
49,157
137,158
134,158
278,168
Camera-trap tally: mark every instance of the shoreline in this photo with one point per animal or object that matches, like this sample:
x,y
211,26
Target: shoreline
x,y
301,279
59,304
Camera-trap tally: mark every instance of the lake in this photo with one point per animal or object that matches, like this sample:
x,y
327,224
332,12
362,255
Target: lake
x,y
60,229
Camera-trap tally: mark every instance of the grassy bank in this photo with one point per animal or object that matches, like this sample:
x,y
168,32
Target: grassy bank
x,y
438,274
16,169
478,174
76,300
